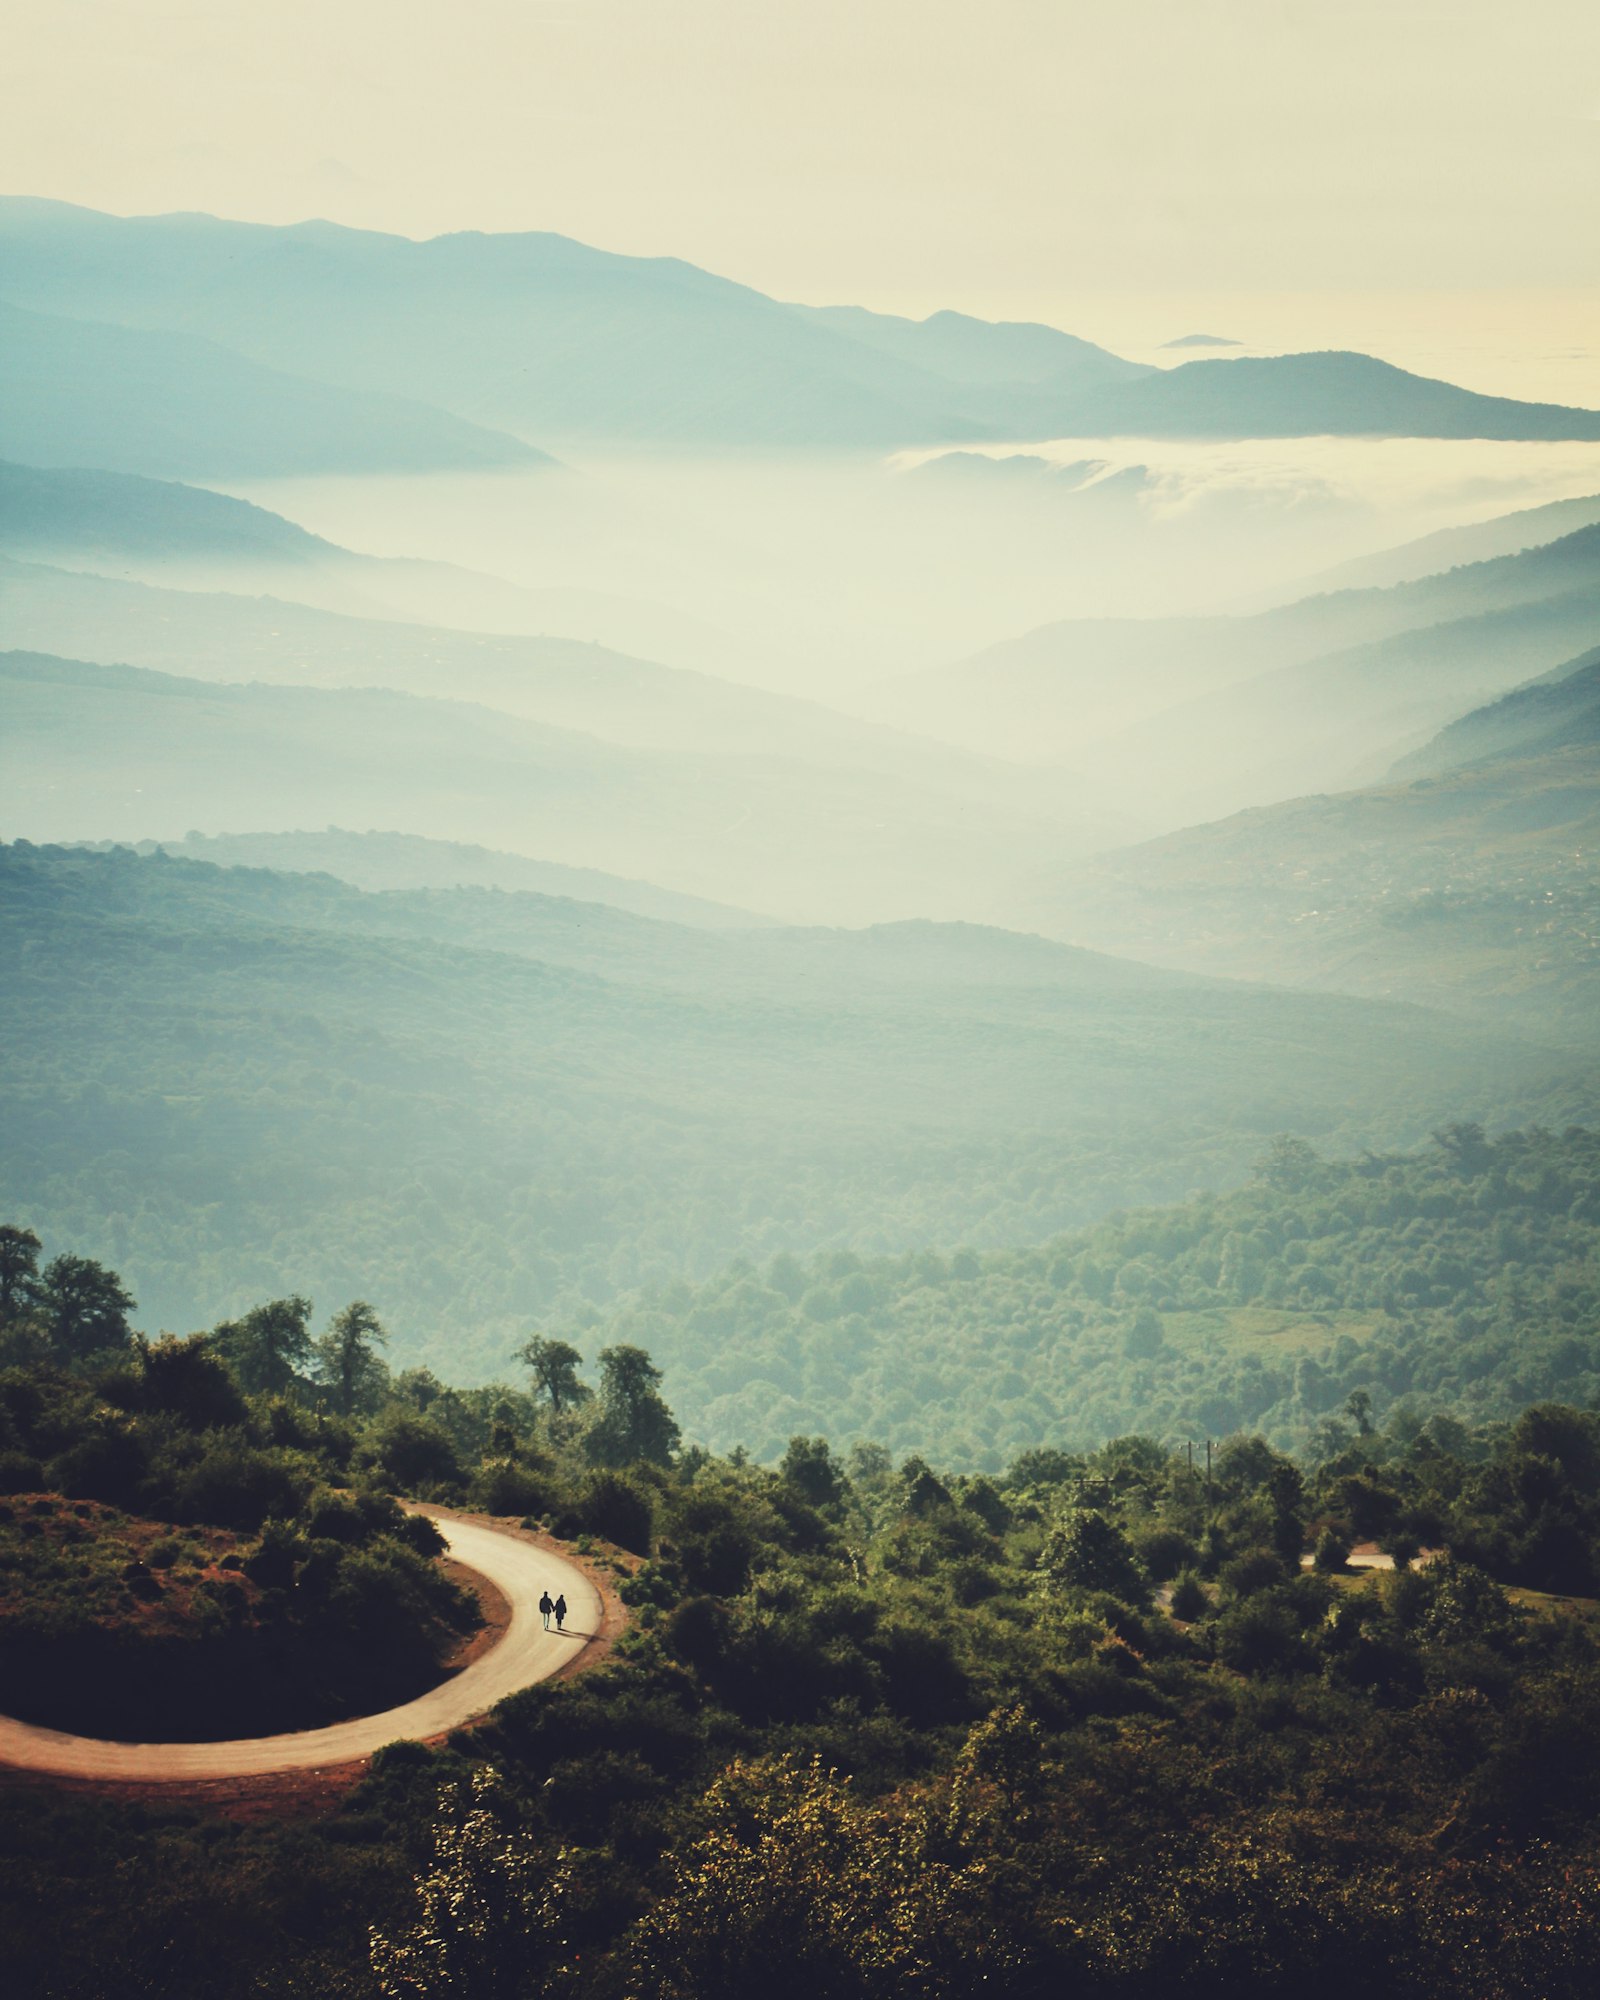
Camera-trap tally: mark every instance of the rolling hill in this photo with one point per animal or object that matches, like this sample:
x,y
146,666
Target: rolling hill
x,y
1560,711
571,685
114,752
1450,548
1469,879
1191,718
484,1106
165,532
408,861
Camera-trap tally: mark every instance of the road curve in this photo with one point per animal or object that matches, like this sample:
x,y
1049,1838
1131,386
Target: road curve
x,y
525,1653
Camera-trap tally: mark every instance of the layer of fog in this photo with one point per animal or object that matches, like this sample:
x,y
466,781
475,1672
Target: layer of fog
x,y
823,576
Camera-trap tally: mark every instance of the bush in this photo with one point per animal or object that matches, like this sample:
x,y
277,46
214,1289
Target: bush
x,y
237,1485
502,1486
413,1453
1332,1550
1189,1599
615,1507
1256,1570
1165,1552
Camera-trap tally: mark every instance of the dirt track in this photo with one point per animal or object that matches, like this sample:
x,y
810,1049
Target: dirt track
x,y
526,1653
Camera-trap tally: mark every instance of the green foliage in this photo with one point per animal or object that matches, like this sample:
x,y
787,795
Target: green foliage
x,y
84,1307
1087,1551
554,1365
1461,1280
374,1096
878,1731
270,1346
347,1359
632,1423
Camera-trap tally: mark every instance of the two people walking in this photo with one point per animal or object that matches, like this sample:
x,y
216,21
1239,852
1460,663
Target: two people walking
x,y
553,1608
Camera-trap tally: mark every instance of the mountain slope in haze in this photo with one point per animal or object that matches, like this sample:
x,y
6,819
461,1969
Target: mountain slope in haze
x,y
565,683
380,861
93,752
1560,711
236,1083
1450,548
557,341
72,511
1469,879
1197,716
165,532
534,331
154,401
1329,394
1341,719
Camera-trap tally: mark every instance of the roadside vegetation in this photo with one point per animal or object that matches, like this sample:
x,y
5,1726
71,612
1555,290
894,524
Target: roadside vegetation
x,y
1107,1720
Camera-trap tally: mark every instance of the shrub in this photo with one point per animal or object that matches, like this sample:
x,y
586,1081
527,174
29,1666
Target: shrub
x,y
619,1509
413,1452
1189,1599
1166,1551
502,1486
1256,1570
236,1485
1332,1550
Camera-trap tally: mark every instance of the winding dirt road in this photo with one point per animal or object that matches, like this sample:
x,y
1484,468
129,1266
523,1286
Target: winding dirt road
x,y
526,1653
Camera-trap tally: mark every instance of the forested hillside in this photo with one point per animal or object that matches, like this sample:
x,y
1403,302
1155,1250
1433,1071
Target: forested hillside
x,y
1464,1279
492,1107
1474,888
1112,1724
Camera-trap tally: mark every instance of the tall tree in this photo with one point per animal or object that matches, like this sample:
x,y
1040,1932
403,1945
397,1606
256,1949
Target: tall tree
x,y
270,1345
19,1271
346,1355
85,1307
554,1365
634,1423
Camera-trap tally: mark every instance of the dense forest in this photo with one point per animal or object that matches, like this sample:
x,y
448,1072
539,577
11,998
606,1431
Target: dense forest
x,y
1108,1721
1460,1278
490,1110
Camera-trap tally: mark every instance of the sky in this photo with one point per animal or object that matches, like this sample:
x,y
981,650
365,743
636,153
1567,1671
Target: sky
x,y
1002,156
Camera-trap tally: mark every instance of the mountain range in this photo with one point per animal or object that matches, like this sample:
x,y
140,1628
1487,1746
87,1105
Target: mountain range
x,y
559,343
1196,717
1466,879
114,752
150,400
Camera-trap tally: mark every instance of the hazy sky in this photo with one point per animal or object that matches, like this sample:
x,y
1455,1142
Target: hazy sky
x,y
913,152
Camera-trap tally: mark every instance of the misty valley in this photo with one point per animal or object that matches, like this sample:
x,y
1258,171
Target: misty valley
x,y
869,1047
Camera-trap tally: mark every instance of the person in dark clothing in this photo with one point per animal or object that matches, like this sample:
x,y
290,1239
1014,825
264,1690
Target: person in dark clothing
x,y
561,1612
546,1606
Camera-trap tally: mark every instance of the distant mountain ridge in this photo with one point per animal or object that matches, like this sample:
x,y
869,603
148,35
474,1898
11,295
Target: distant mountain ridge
x,y
95,751
163,402
554,341
382,861
170,534
1211,714
1467,878
1331,394
1560,711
